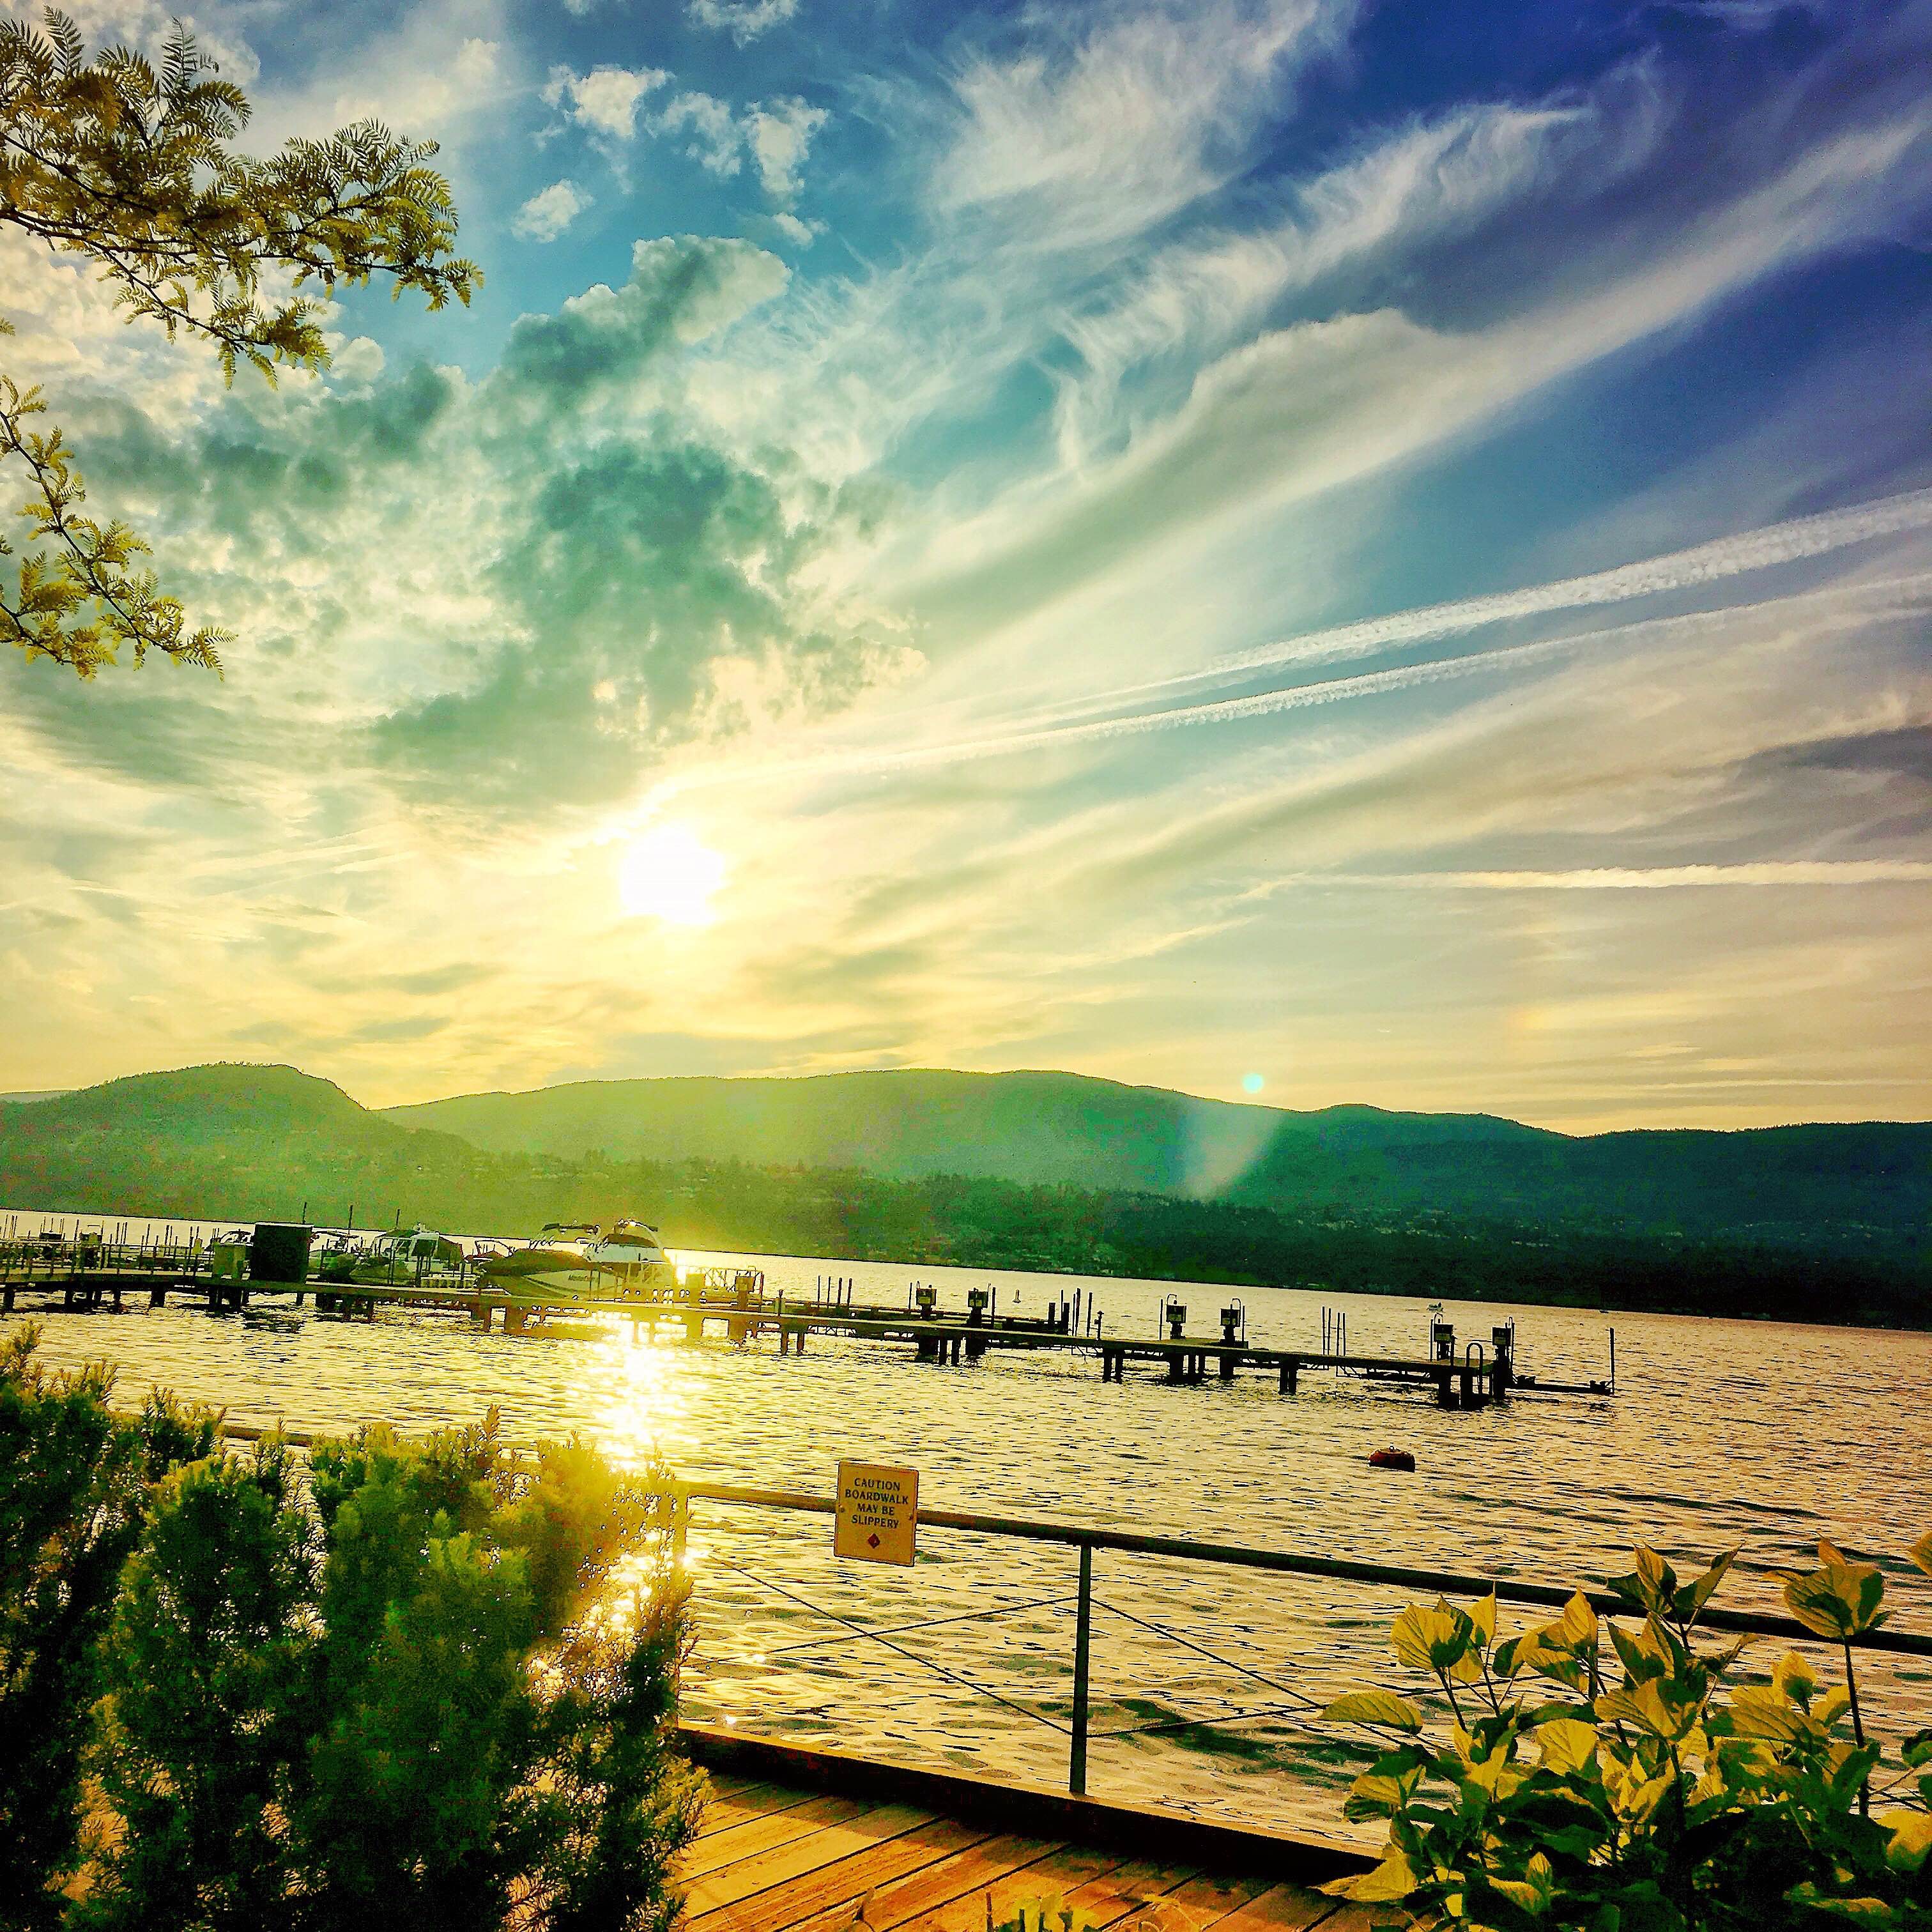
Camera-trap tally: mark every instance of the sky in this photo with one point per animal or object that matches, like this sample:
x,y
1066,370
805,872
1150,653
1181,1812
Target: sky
x,y
1314,550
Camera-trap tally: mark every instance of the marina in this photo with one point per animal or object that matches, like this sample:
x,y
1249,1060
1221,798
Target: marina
x,y
1698,1432
492,1284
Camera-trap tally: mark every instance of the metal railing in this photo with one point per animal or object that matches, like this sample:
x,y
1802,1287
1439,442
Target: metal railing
x,y
1088,1540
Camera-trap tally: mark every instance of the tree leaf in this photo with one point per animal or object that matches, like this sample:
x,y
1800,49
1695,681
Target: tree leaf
x,y
1374,1707
1568,1743
1432,1638
1390,1880
1839,1601
1911,1840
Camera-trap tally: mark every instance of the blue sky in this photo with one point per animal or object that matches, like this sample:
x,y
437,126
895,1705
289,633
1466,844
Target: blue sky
x,y
1386,547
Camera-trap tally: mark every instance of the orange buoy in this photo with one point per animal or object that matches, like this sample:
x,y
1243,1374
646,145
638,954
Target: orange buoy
x,y
1392,1458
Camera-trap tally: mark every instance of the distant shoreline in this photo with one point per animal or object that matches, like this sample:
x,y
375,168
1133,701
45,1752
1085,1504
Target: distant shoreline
x,y
991,1258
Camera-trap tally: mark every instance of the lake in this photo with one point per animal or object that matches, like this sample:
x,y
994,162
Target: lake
x,y
1765,1435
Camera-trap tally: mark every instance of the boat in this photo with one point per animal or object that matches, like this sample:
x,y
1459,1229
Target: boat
x,y
632,1250
416,1254
624,1257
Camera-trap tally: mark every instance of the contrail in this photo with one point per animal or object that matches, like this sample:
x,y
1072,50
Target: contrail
x,y
1224,710
1646,878
1680,570
1807,537
1711,562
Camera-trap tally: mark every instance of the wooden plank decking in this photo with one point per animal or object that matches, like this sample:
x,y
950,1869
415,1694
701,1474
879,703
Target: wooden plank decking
x,y
776,1857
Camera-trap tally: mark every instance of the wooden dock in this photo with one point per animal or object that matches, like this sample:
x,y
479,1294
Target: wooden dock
x,y
802,1841
1473,1377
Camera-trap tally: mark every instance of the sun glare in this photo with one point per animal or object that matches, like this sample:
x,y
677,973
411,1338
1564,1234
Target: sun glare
x,y
670,873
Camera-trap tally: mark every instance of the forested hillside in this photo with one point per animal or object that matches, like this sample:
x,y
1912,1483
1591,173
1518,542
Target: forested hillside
x,y
271,1143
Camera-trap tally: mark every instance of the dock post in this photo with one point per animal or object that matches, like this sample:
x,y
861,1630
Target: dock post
x,y
1083,1632
6,1299
1227,1366
1289,1367
1177,1369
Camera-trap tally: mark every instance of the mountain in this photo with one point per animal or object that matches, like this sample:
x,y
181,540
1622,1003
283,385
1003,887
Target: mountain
x,y
208,1102
225,1142
1850,1188
1039,1128
1036,1171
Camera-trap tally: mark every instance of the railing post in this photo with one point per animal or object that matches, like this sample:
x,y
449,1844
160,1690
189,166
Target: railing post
x,y
1083,1631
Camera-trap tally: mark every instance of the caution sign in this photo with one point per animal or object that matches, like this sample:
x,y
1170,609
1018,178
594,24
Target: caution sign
x,y
878,1513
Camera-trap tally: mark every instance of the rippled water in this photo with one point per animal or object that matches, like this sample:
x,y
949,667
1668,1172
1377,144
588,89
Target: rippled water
x,y
1720,1432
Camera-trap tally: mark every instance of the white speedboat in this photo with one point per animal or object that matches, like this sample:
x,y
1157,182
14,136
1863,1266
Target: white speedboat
x,y
625,1257
630,1249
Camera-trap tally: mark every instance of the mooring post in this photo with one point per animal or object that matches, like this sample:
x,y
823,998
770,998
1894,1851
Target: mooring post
x,y
1083,1632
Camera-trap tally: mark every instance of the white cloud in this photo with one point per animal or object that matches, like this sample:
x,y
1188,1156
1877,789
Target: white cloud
x,y
778,136
1105,132
799,234
433,71
550,212
359,361
605,99
775,135
717,141
744,20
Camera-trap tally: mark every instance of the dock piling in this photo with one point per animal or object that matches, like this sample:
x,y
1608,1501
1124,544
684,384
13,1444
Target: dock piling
x,y
1083,1632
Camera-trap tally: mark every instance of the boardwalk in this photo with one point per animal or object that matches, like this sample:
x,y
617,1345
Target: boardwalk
x,y
778,1853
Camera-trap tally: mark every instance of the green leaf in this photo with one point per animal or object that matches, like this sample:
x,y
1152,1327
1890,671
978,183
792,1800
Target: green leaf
x,y
1379,1795
1693,1597
1920,1552
1436,1639
1374,1707
1483,1615
1760,1711
1390,1880
1568,1743
1911,1840
1793,1679
1840,1601
1656,1582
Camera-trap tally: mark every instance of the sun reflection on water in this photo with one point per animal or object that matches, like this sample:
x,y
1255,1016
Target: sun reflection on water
x,y
642,1416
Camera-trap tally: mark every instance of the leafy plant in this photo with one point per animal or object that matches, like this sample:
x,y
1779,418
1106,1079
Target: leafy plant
x,y
77,1485
412,1699
1664,1799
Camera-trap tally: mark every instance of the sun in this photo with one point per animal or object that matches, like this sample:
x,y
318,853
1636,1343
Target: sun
x,y
670,873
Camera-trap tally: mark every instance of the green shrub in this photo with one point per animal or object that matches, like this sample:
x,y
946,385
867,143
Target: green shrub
x,y
409,1700
1653,1804
76,1483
